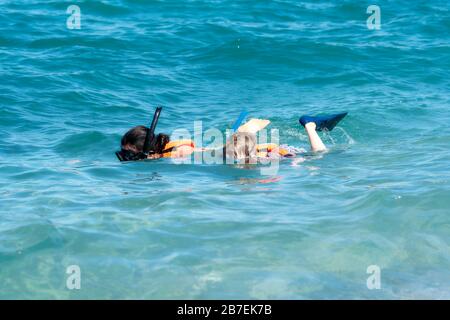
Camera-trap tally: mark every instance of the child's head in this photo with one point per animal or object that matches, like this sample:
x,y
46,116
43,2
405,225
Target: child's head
x,y
133,141
240,146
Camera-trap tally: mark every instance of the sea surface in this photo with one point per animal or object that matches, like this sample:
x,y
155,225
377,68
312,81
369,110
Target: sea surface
x,y
158,230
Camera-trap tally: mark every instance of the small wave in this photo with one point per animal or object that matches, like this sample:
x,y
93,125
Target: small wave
x,y
28,237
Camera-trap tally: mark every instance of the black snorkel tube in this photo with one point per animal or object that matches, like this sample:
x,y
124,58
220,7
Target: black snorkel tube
x,y
149,144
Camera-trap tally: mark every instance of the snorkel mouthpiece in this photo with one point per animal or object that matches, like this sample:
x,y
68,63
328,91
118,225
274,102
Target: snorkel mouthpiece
x,y
149,144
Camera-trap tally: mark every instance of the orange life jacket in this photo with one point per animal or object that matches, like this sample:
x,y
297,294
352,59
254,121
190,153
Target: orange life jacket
x,y
264,148
261,149
167,151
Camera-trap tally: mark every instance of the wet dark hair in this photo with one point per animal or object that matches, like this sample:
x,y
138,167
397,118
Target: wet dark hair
x,y
162,140
133,141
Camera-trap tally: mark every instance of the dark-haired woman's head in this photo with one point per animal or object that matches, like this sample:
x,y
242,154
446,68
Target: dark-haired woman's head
x,y
133,141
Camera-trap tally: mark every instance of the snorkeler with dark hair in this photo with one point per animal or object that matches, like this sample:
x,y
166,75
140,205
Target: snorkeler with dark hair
x,y
140,143
132,146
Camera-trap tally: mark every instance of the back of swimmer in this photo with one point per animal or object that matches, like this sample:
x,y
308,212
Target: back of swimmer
x,y
243,146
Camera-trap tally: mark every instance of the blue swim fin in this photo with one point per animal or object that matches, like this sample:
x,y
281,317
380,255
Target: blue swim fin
x,y
327,122
239,120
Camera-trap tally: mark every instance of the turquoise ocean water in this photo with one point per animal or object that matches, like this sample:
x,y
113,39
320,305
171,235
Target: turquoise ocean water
x,y
381,196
